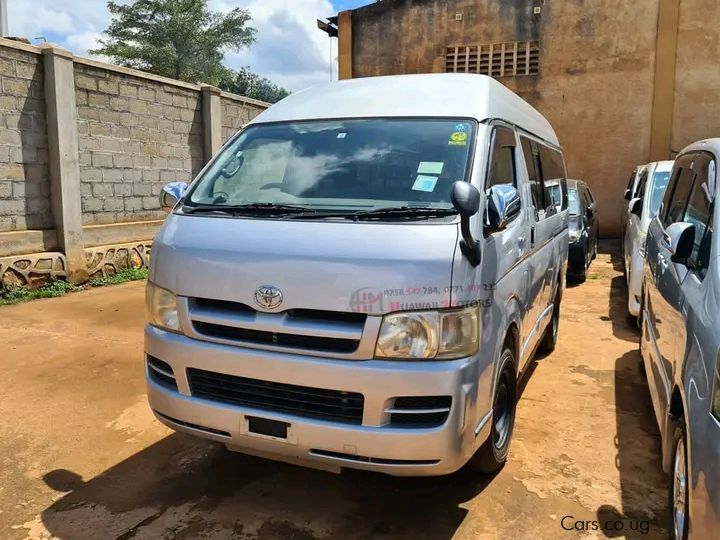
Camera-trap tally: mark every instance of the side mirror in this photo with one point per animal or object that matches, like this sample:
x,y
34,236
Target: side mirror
x,y
466,199
636,206
679,238
628,195
503,205
170,195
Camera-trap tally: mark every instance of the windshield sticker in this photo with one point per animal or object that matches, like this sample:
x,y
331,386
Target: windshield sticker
x,y
425,183
431,167
461,127
341,135
458,138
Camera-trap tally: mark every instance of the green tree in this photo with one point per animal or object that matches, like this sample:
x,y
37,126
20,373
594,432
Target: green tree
x,y
247,83
181,39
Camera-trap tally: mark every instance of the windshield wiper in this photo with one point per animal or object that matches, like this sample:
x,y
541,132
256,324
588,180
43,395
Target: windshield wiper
x,y
379,213
254,208
403,211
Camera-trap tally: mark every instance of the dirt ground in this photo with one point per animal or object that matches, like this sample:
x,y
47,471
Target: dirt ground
x,y
81,456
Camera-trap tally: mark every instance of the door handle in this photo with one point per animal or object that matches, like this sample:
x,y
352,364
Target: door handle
x,y
521,242
532,235
662,262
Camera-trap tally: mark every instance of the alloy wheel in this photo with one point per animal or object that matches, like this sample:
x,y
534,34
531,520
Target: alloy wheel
x,y
680,490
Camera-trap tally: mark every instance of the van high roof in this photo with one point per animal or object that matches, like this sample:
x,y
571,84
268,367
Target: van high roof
x,y
447,95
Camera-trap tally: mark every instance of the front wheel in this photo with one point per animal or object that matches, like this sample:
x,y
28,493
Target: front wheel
x,y
492,455
679,492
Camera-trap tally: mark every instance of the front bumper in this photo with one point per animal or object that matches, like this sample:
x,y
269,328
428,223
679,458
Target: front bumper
x,y
577,257
373,445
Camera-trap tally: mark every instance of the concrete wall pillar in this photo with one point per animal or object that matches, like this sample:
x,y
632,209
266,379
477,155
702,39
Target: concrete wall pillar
x,y
63,163
345,59
664,84
212,121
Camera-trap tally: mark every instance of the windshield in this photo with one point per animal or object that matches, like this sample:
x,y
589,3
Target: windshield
x,y
659,183
573,202
343,165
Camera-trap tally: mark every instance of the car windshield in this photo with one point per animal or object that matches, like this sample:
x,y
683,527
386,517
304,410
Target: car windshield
x,y
573,202
340,166
659,183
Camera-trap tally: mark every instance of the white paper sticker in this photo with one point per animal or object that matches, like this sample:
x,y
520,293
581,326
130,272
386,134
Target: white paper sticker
x,y
341,135
430,167
425,183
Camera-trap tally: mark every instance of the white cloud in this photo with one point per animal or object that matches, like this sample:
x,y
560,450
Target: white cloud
x,y
290,50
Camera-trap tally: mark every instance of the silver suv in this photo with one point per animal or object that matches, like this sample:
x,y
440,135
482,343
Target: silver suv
x,y
681,337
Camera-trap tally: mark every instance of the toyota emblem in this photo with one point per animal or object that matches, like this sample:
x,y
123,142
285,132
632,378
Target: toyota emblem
x,y
268,297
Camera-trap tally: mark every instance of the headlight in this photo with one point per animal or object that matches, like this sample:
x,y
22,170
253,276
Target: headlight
x,y
575,236
716,394
641,240
161,308
443,335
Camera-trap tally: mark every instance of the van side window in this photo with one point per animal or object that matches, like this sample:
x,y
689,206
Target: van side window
x,y
536,188
502,164
678,199
552,167
699,213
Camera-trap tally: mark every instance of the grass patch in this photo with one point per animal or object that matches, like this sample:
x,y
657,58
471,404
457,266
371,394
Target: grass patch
x,y
57,287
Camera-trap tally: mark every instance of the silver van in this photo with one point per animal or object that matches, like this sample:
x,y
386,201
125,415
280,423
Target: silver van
x,y
360,277
680,343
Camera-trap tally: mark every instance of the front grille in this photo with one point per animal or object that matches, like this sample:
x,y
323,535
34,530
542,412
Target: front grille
x,y
292,341
319,403
161,373
420,411
311,329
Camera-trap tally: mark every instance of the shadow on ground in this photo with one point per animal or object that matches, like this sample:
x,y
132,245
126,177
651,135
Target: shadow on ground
x,y
218,489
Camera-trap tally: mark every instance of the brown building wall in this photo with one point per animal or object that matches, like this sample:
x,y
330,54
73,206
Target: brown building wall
x,y
596,74
697,77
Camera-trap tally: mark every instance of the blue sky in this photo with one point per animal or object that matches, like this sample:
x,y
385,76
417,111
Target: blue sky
x,y
290,50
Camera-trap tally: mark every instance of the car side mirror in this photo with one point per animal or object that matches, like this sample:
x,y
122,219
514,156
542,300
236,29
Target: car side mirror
x,y
466,199
628,195
170,195
636,206
679,238
503,205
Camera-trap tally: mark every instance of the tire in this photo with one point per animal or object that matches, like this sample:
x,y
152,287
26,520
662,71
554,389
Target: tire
x,y
493,453
549,339
679,503
594,254
580,278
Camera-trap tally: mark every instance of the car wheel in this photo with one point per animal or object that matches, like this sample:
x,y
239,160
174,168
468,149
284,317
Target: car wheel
x,y
679,491
549,339
492,455
580,278
594,254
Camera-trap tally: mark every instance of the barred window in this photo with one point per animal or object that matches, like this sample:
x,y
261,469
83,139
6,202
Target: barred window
x,y
511,59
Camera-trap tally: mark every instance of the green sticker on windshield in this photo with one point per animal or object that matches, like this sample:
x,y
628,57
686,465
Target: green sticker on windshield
x,y
458,138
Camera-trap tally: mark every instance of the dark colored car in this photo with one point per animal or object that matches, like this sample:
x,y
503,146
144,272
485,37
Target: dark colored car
x,y
583,229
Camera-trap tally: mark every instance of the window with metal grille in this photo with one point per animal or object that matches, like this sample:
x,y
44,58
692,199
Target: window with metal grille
x,y
511,59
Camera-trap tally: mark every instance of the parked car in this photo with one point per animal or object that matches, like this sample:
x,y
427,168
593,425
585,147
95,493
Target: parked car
x,y
642,208
361,276
630,193
680,341
583,229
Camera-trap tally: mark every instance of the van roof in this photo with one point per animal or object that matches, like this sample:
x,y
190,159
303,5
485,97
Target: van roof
x,y
443,95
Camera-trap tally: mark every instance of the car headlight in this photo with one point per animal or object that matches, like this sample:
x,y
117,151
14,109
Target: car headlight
x,y
575,236
716,394
441,335
641,240
161,308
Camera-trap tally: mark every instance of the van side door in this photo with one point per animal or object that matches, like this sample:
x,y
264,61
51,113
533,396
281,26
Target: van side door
x,y
541,235
664,295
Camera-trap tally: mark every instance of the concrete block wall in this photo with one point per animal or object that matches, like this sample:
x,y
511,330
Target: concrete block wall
x,y
85,148
236,113
24,185
135,135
